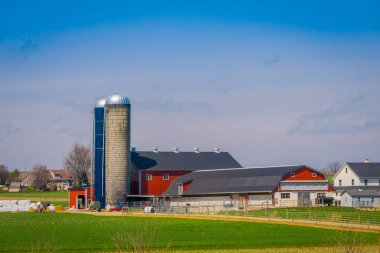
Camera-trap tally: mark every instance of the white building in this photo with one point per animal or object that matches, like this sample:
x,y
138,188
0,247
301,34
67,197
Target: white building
x,y
358,175
361,198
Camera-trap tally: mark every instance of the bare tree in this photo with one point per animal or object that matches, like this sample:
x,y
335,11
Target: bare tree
x,y
334,166
40,176
78,161
4,174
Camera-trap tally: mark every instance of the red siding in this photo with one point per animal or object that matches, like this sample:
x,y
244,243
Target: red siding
x,y
304,174
186,186
73,193
157,186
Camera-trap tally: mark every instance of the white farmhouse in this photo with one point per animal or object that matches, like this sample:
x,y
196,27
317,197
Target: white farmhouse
x,y
357,175
358,184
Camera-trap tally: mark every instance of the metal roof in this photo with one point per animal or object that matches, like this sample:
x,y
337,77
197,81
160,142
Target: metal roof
x,y
232,180
100,103
365,170
117,99
183,161
364,193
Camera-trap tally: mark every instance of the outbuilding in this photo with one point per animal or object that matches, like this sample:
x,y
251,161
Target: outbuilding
x,y
360,198
80,197
240,188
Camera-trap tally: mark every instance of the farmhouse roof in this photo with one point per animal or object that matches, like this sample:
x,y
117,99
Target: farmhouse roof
x,y
21,177
364,193
190,161
365,169
60,174
235,180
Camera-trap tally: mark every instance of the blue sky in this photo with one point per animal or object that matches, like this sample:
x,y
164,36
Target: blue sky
x,y
271,82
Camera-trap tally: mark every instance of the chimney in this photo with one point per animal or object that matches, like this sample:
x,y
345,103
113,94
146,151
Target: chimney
x,y
155,150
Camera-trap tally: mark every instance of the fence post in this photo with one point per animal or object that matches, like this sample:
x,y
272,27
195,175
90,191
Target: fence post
x,y
315,218
287,213
359,218
292,216
341,221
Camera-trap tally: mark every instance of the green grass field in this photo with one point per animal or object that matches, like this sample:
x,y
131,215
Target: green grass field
x,y
333,214
80,232
36,194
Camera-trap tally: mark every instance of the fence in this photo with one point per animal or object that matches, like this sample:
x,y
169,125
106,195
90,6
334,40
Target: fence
x,y
314,214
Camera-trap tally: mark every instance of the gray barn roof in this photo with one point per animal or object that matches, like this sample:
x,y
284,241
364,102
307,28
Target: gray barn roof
x,y
364,193
365,170
190,161
231,180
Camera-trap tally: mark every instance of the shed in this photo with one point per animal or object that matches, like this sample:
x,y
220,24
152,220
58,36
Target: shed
x,y
80,197
361,198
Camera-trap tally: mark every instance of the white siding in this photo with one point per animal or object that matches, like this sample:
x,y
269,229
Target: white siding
x,y
346,177
371,181
259,200
304,186
346,200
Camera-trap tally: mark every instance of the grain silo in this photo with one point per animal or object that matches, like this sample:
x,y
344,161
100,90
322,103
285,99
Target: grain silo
x,y
98,152
117,148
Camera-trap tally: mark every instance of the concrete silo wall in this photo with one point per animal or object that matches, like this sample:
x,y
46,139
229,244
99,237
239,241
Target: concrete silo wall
x,y
117,124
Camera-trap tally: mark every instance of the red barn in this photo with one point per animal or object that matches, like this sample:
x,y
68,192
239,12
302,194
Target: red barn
x,y
80,197
153,172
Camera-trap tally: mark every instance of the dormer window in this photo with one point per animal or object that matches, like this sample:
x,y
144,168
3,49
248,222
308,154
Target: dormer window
x,y
165,177
292,174
180,188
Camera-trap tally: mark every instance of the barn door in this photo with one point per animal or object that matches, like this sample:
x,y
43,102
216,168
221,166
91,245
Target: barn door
x,y
304,199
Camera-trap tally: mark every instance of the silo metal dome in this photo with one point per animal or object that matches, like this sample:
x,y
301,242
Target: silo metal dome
x,y
100,103
117,99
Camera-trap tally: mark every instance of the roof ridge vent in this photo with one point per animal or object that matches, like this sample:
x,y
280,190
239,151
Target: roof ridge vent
x,y
176,150
155,150
196,150
216,150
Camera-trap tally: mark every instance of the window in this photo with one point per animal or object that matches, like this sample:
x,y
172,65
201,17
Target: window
x,y
180,188
365,182
340,182
373,199
359,199
148,177
379,181
292,174
353,182
321,194
346,169
314,175
285,195
166,176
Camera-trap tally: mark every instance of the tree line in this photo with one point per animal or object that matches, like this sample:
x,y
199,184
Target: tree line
x,y
77,162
